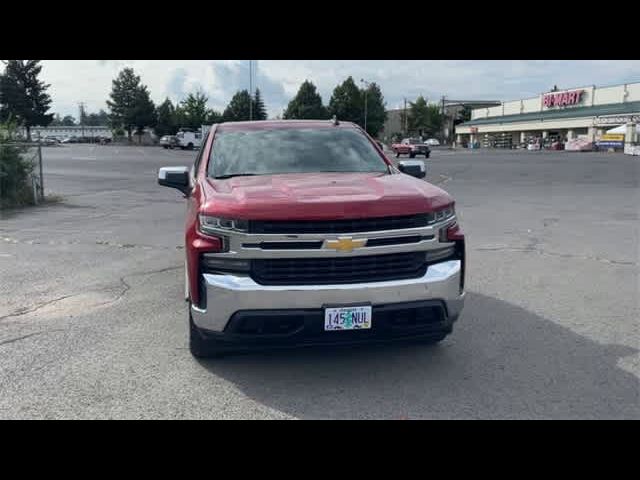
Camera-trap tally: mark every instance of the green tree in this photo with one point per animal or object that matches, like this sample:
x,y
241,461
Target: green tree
x,y
23,97
68,121
166,119
376,109
464,115
144,113
193,110
57,120
238,108
347,103
306,105
96,119
423,118
213,116
130,105
259,110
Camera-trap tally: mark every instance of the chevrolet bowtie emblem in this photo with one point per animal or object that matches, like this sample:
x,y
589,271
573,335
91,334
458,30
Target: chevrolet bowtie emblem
x,y
346,244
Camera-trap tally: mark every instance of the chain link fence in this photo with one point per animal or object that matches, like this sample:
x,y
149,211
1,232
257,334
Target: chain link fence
x,y
21,176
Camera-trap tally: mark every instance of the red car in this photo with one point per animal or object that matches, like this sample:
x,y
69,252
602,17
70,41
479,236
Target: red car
x,y
305,233
411,147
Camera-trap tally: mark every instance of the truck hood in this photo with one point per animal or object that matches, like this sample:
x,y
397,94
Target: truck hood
x,y
320,196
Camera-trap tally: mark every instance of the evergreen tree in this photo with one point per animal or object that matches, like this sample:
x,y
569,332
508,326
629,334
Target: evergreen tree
x,y
347,103
238,108
23,97
131,106
166,119
376,111
306,105
259,110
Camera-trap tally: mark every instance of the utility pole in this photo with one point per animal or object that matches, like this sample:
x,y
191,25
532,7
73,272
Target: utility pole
x,y
406,120
250,91
444,120
81,106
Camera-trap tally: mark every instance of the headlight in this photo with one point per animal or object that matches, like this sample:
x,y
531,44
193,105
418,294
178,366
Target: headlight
x,y
444,214
213,264
213,225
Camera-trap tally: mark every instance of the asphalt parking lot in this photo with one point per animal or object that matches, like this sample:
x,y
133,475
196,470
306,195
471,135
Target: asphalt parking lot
x,y
93,324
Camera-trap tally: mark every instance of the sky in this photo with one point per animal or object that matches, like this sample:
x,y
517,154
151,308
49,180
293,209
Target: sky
x,y
89,81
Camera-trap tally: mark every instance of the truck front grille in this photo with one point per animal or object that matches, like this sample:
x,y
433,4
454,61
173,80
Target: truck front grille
x,y
341,226
323,271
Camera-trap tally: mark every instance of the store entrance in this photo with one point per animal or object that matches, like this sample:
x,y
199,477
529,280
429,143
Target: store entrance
x,y
555,140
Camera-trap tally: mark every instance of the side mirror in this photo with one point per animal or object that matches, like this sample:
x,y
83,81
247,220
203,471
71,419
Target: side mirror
x,y
415,168
175,177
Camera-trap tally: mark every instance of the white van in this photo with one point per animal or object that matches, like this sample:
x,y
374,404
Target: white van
x,y
189,140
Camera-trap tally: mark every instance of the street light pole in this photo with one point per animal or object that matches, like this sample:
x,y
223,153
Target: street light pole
x,y
250,92
367,84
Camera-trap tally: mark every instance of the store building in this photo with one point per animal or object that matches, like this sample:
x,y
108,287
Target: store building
x,y
564,115
102,131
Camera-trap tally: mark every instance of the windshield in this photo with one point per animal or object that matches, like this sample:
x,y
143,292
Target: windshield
x,y
415,141
293,150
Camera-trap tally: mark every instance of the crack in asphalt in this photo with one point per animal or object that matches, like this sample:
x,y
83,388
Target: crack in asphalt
x,y
23,337
125,288
97,242
12,340
528,249
25,311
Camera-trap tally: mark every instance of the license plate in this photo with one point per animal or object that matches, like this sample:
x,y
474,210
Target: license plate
x,y
347,318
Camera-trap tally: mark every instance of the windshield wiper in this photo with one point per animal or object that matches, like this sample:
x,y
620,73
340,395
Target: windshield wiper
x,y
222,177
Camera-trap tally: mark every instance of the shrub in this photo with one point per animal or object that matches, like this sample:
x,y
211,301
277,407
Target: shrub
x,y
15,170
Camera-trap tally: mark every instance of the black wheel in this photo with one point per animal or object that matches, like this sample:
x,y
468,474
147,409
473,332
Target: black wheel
x,y
190,146
412,155
199,346
426,155
166,147
397,154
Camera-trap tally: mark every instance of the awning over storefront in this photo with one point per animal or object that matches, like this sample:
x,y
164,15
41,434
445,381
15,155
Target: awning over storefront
x,y
566,113
622,129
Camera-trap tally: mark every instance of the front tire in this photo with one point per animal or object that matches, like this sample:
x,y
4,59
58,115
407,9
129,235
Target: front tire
x,y
397,154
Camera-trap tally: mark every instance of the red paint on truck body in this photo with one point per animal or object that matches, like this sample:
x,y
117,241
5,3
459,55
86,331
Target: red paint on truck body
x,y
303,196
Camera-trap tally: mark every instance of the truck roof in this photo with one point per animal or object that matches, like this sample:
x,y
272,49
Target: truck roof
x,y
274,124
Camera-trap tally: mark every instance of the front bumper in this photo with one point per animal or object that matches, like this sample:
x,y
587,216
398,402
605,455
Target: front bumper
x,y
228,295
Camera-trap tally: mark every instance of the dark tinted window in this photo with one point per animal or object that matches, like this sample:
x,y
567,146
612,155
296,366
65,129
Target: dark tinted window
x,y
293,150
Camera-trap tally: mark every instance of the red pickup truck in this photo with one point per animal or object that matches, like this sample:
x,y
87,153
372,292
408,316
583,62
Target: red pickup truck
x,y
305,233
411,147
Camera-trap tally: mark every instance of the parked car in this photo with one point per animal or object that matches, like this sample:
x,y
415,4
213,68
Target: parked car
x,y
275,253
433,142
411,147
169,141
49,141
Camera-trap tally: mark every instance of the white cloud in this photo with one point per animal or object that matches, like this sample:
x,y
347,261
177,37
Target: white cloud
x,y
73,81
